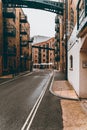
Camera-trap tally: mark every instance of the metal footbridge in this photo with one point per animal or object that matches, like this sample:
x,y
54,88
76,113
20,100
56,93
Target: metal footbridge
x,y
47,5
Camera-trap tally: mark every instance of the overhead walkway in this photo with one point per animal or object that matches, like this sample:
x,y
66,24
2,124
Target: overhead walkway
x,y
47,5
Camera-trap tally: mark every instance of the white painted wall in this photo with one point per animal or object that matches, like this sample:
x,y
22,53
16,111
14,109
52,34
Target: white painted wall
x,y
73,74
78,75
73,49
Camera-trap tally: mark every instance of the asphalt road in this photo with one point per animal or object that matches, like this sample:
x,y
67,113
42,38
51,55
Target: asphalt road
x,y
18,97
49,113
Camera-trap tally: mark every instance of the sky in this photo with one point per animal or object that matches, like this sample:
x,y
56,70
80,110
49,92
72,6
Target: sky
x,y
41,22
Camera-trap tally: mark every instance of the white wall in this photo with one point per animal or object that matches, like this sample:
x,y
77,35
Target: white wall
x,y
73,74
73,49
78,75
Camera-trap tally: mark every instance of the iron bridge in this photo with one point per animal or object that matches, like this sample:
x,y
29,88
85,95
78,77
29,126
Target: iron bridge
x,y
47,5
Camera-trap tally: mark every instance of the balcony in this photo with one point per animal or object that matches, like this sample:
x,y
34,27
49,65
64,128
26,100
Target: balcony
x,y
56,19
57,50
81,18
24,38
11,50
39,52
57,28
9,12
25,56
23,19
57,36
23,31
58,40
56,44
10,31
24,44
57,58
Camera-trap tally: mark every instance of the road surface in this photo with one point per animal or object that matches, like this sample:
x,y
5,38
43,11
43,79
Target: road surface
x,y
18,97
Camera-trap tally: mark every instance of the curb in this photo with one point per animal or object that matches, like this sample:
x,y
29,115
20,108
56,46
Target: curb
x,y
61,97
16,77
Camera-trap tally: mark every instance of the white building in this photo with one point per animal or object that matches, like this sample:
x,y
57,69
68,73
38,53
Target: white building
x,y
77,52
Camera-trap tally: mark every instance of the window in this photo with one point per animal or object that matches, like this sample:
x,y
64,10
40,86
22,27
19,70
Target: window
x,y
71,62
43,60
44,55
35,61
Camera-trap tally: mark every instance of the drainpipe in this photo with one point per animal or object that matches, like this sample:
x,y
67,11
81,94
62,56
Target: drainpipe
x,y
66,37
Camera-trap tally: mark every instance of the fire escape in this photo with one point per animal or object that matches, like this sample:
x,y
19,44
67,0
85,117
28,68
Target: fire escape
x,y
23,42
8,31
57,41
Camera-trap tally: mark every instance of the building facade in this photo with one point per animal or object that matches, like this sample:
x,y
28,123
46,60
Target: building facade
x,y
43,57
25,48
77,48
57,42
60,44
14,41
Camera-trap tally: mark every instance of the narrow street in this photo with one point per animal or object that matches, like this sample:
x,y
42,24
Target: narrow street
x,y
18,97
43,64
49,114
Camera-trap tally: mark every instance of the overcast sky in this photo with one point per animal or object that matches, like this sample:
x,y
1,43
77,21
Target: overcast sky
x,y
41,22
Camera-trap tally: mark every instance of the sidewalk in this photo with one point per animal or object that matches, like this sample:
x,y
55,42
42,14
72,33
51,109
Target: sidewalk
x,y
9,78
74,111
62,88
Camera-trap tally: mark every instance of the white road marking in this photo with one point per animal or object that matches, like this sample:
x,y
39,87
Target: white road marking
x,y
32,114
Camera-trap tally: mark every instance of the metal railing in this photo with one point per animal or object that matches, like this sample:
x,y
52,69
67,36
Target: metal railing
x,y
57,36
10,30
11,51
24,43
23,19
9,12
57,28
23,31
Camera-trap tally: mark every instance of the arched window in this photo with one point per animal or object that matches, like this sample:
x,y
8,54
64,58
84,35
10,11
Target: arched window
x,y
71,62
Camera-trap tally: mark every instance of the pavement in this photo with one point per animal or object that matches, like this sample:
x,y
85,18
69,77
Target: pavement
x,y
62,88
74,110
11,77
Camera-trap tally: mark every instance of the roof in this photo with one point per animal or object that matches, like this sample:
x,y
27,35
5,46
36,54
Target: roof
x,y
38,39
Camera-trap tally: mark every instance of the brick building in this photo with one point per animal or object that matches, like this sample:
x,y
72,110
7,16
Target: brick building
x,y
14,41
60,52
43,58
25,48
